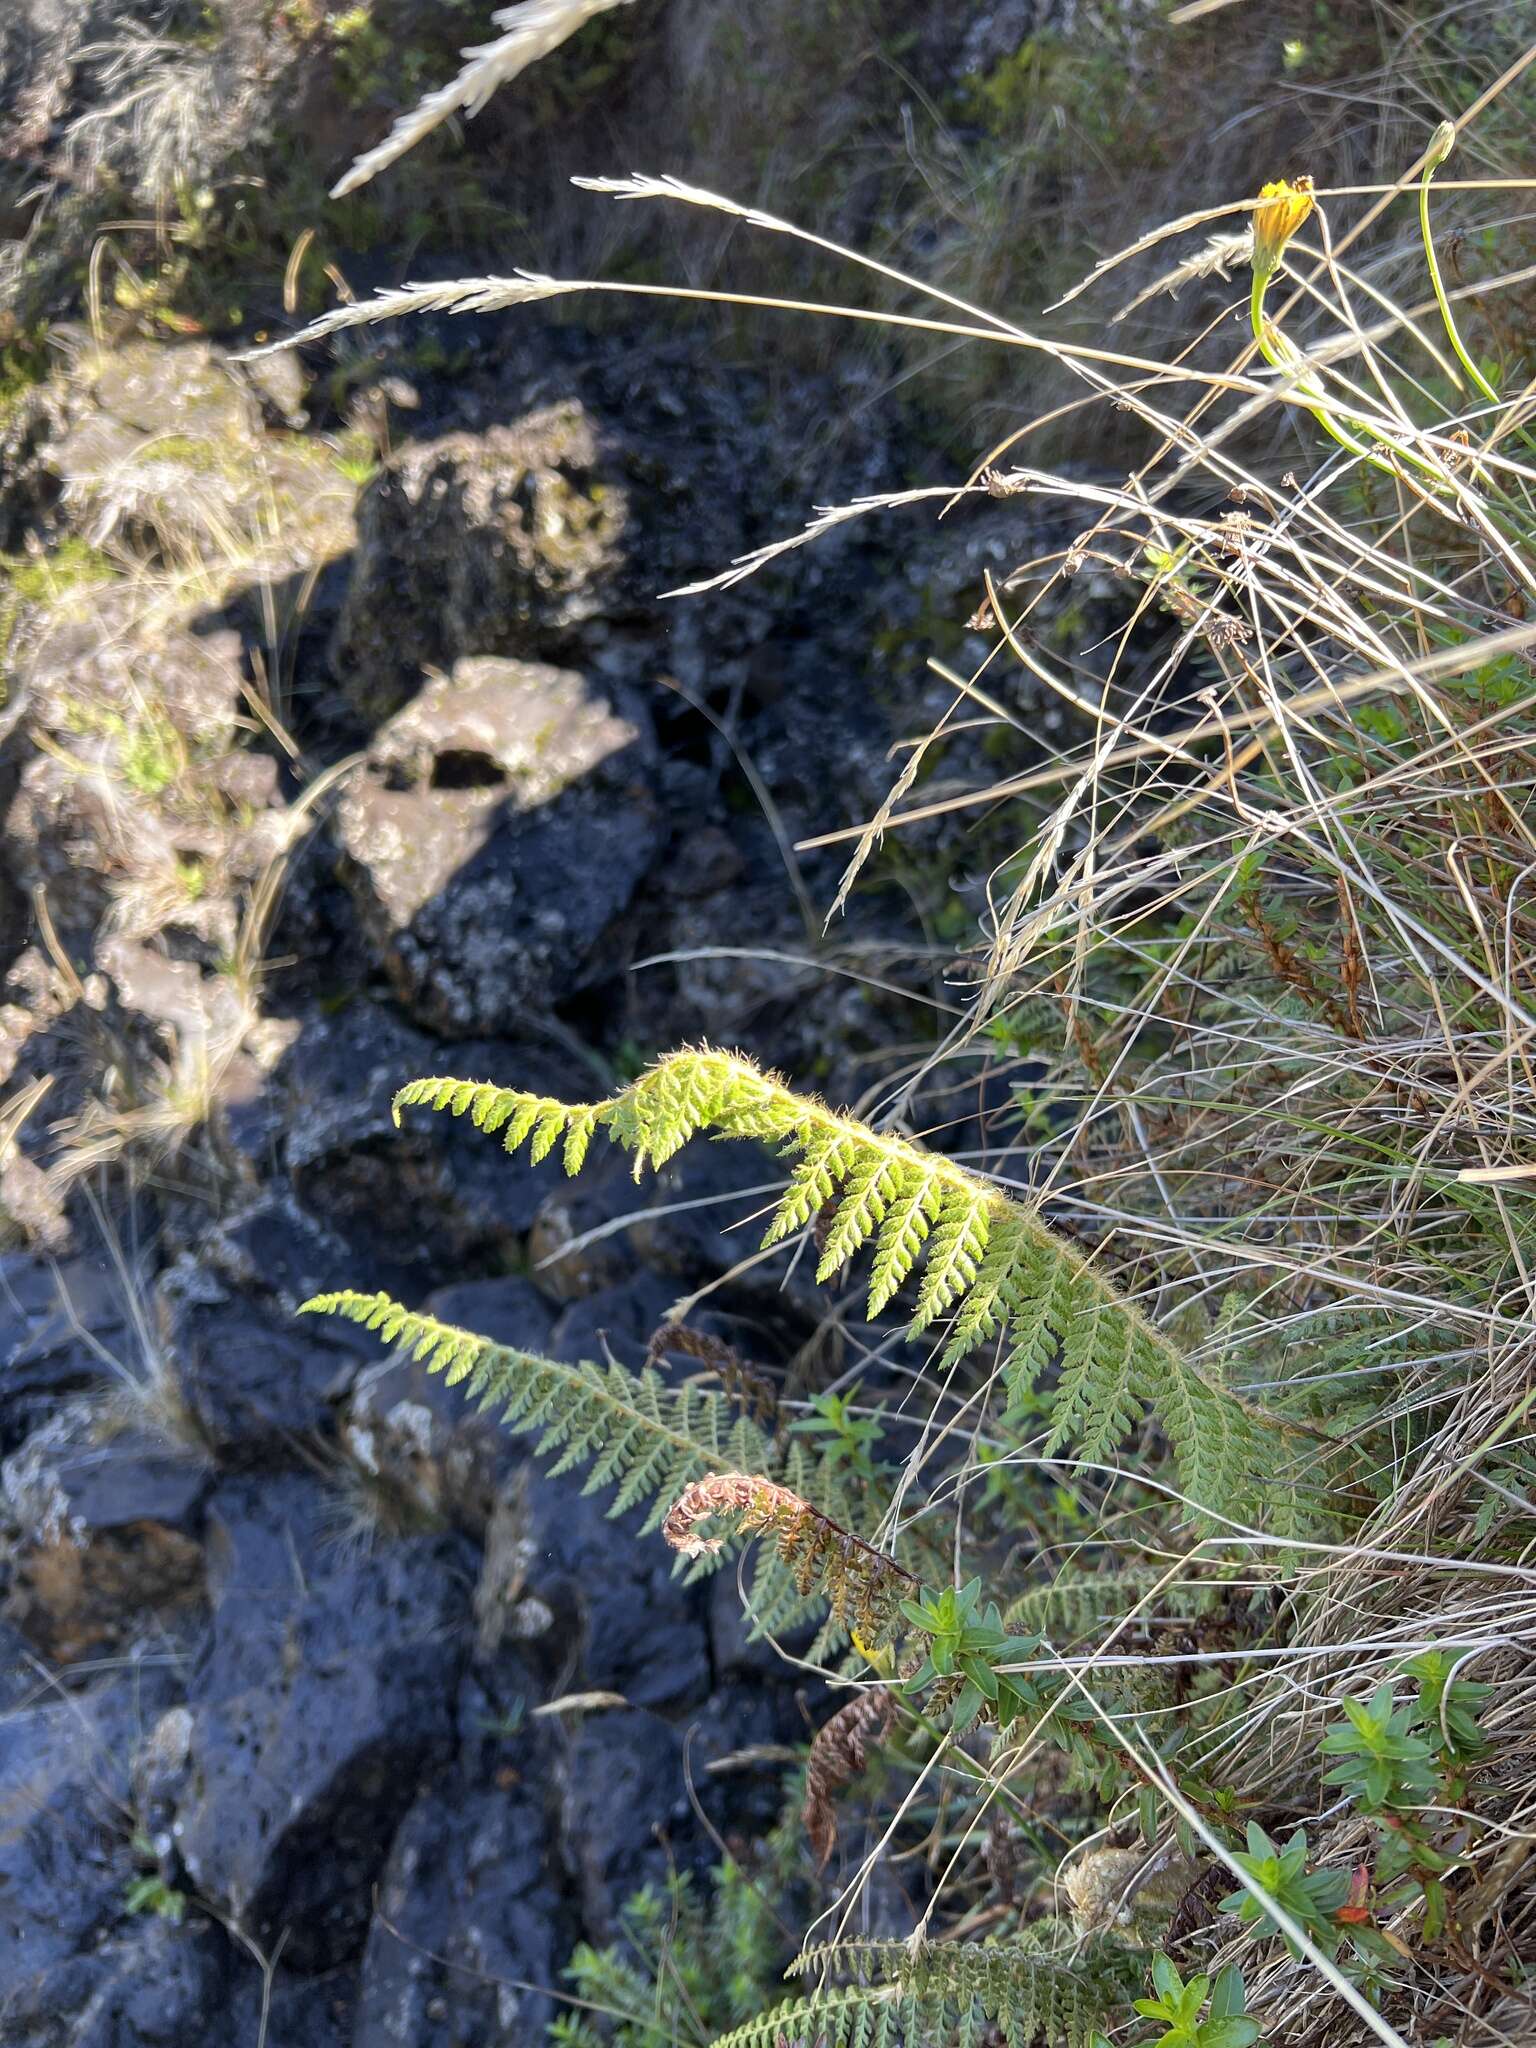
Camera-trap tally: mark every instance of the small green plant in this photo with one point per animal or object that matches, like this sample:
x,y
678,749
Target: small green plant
x,y
1383,1764
151,754
689,1961
149,1892
191,877
1447,1707
966,1646
1198,2014
843,1436
358,466
1310,1897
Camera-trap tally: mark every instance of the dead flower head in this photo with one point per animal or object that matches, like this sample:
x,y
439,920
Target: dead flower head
x,y
1283,207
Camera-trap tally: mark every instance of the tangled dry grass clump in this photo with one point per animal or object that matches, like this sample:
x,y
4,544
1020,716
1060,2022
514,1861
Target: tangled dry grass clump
x,y
1261,970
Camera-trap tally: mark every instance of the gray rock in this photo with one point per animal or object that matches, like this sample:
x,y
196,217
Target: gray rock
x,y
496,543
502,826
326,1693
158,1986
468,1924
104,1533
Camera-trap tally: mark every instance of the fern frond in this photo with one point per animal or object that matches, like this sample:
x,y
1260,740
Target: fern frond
x,y
983,1260
644,1439
830,2016
1072,1609
839,1752
955,1250
1030,1992
519,1117
908,1220
861,1584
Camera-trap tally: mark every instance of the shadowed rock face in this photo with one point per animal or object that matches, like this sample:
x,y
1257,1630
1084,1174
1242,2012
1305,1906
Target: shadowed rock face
x,y
478,805
326,1690
496,543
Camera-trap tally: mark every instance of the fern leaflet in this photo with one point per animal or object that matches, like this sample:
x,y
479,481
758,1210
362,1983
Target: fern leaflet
x,y
638,1435
980,1259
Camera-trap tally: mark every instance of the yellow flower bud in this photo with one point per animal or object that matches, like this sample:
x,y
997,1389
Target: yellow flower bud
x,y
1281,210
1441,143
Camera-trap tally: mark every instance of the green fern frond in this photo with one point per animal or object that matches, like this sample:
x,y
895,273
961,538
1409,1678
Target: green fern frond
x,y
637,1435
1035,1988
980,1259
1072,1609
846,2018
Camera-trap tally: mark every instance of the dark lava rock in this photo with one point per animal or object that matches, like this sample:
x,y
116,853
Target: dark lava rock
x,y
255,1380
574,1246
493,543
65,1854
60,1325
276,1250
158,1986
300,2012
468,1924
104,1533
706,1211
325,1694
625,1802
255,1376
618,1619
409,1431
501,825
252,1376
434,1193
625,1813
620,1319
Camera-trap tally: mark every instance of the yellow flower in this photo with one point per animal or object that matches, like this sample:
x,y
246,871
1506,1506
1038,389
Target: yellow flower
x,y
1281,210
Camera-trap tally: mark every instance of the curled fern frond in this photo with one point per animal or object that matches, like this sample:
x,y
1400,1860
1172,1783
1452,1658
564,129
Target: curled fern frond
x,y
980,1261
636,1434
862,1584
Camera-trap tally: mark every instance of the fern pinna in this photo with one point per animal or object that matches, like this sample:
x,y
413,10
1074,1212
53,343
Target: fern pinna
x,y
951,1995
978,1262
639,1435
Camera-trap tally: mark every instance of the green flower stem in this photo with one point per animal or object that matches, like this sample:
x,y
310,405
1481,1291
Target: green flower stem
x,y
1310,390
1438,287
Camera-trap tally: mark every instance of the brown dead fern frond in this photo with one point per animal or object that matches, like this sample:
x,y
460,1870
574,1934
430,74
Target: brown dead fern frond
x,y
861,1584
839,1754
745,1384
